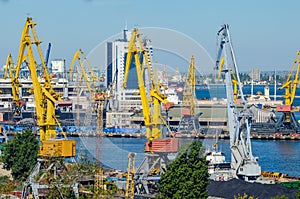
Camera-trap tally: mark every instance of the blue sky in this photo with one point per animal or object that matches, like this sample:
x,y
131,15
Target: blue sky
x,y
265,34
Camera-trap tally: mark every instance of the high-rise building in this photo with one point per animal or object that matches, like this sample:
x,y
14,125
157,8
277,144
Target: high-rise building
x,y
255,74
116,53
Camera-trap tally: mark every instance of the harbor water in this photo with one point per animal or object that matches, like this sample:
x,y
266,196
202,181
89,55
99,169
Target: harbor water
x,y
274,155
278,155
219,92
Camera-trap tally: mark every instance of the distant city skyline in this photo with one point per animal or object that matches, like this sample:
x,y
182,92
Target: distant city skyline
x,y
264,33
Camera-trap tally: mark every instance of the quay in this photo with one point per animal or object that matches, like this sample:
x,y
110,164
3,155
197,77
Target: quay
x,y
224,135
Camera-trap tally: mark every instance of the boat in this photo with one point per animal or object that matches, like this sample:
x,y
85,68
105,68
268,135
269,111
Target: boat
x,y
172,95
218,168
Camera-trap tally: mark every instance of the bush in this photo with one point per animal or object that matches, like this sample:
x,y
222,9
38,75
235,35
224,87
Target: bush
x,y
187,176
20,155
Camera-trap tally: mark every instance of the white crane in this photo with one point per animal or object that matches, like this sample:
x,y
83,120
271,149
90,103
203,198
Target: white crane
x,y
244,164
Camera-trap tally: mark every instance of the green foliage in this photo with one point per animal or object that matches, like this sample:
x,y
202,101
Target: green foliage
x,y
57,191
187,176
20,155
297,194
280,197
245,196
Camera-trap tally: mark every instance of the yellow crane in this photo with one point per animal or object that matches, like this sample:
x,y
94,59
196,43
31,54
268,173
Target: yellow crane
x,y
153,120
129,193
51,148
44,96
98,99
81,57
8,67
287,122
17,102
189,121
189,94
81,72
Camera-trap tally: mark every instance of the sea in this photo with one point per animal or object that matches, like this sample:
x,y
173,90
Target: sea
x,y
273,155
219,92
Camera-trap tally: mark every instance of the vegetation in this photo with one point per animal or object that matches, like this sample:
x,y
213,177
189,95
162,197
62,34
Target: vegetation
x,y
7,185
71,174
280,197
245,196
187,176
20,155
297,194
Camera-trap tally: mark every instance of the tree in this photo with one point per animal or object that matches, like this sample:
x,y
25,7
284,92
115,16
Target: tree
x,y
297,193
187,176
20,154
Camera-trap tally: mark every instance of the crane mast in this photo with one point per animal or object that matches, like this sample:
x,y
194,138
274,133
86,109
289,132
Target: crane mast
x,y
243,162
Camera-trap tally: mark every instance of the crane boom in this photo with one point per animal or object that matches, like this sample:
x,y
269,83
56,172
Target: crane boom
x,y
243,162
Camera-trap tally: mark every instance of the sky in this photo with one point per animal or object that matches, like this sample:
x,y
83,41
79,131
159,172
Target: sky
x,y
265,34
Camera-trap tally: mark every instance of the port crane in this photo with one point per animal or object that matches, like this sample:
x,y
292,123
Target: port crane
x,y
129,191
81,71
153,121
156,159
244,164
97,97
81,57
45,97
189,122
8,67
17,104
287,121
97,105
